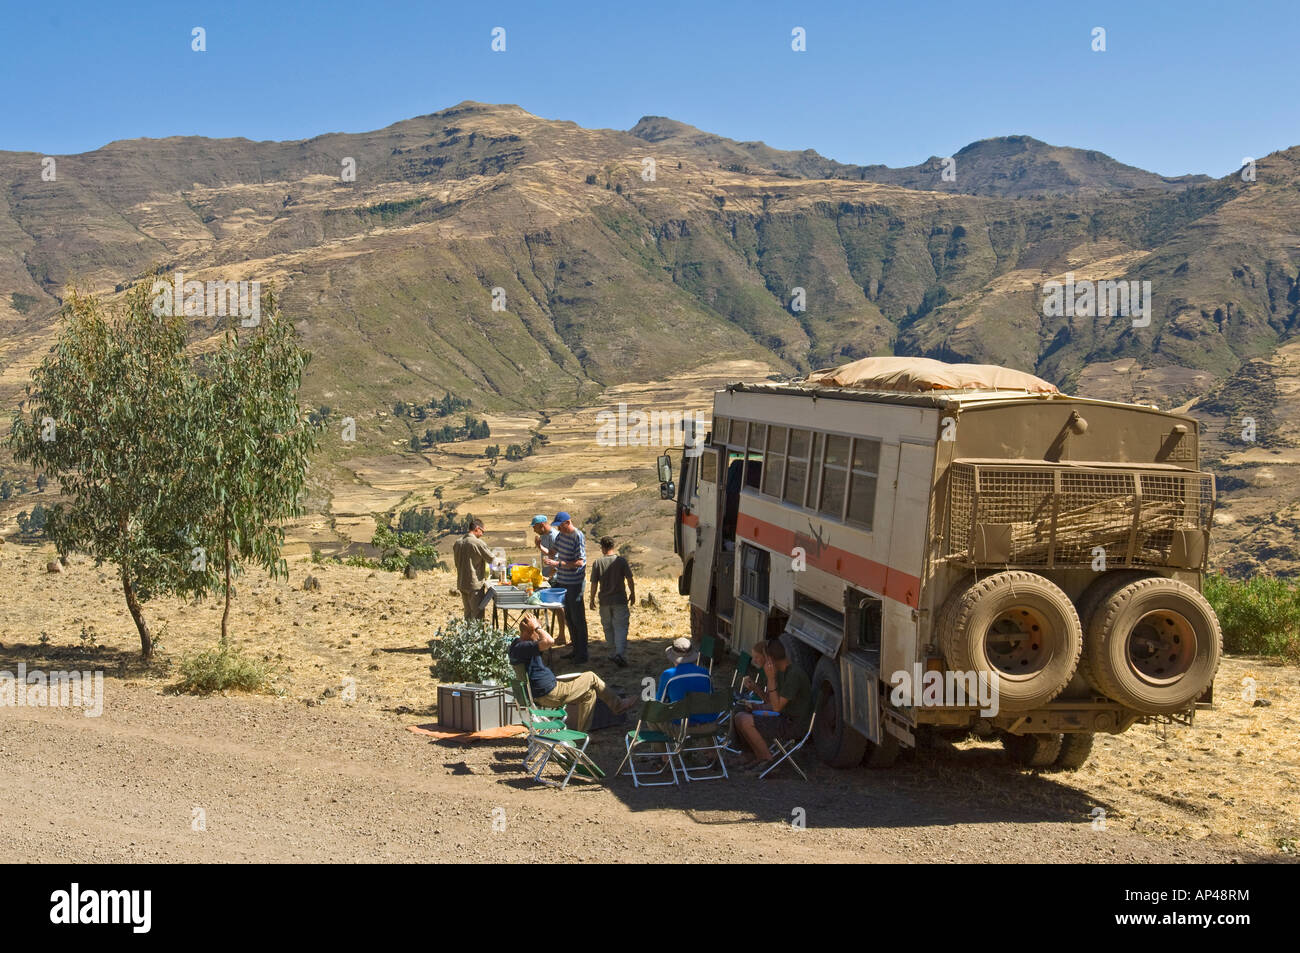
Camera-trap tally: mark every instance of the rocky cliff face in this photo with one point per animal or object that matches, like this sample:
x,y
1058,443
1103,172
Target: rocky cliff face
x,y
523,261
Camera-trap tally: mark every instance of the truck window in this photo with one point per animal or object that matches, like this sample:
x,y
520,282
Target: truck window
x,y
796,473
721,431
757,437
737,436
774,462
862,482
709,468
835,476
754,563
814,472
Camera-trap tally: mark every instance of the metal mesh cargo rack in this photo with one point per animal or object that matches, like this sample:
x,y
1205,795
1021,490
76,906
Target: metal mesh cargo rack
x,y
1057,516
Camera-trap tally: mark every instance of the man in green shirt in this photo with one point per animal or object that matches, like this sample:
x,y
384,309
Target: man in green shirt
x,y
472,558
785,712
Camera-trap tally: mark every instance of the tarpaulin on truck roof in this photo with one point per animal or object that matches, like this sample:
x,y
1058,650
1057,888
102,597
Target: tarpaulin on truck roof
x,y
919,375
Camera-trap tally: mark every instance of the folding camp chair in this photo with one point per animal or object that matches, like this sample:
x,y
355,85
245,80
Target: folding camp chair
x,y
535,719
712,736
787,751
743,662
643,736
708,645
742,669
549,740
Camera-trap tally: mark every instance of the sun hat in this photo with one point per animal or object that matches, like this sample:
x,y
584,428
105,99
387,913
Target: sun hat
x,y
682,650
562,517
539,518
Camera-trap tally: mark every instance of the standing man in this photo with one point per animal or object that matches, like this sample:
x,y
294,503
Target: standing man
x,y
544,539
611,576
472,558
570,561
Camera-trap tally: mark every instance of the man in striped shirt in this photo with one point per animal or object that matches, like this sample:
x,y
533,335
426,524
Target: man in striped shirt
x,y
570,558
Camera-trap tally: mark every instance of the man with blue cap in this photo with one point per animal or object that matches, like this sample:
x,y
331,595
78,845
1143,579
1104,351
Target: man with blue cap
x,y
544,539
569,557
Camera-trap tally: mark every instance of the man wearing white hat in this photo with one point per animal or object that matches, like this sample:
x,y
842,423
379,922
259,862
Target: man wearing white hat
x,y
684,656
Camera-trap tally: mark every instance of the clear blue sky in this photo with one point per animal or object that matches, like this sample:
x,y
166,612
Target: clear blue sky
x,y
1187,86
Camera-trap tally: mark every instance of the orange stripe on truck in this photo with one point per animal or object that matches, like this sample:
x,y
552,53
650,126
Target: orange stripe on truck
x,y
859,570
690,519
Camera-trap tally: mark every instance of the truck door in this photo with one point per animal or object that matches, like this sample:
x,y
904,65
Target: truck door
x,y
704,514
908,525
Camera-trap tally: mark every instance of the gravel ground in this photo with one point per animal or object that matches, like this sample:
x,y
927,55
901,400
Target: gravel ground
x,y
277,781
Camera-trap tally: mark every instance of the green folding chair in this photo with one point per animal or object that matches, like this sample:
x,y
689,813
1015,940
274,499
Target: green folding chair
x,y
705,737
523,695
708,646
535,720
550,741
743,661
640,742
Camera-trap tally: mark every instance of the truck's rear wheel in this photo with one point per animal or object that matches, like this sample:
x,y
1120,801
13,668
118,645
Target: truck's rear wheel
x,y
1075,748
1017,628
837,744
1033,751
883,755
1153,646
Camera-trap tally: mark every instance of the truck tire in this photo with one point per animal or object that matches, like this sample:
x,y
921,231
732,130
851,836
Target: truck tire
x,y
883,755
1033,751
1018,628
1153,646
1097,593
800,653
837,744
1075,749
1101,589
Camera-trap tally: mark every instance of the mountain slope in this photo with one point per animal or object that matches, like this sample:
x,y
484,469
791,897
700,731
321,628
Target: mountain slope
x,y
1008,166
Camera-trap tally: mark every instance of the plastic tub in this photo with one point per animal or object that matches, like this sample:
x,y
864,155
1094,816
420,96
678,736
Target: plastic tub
x,y
552,596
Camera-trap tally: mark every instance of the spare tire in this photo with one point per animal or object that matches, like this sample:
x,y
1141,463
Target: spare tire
x,y
1017,628
1153,646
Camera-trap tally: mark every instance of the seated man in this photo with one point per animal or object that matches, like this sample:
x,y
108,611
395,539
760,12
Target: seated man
x,y
683,654
785,712
550,692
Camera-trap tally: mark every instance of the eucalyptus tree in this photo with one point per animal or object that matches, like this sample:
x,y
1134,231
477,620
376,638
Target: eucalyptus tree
x,y
106,414
250,451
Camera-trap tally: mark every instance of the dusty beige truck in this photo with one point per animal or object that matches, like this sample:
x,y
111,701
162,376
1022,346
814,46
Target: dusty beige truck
x,y
899,522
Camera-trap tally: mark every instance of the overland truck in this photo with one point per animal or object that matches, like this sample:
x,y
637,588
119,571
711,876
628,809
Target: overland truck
x,y
901,520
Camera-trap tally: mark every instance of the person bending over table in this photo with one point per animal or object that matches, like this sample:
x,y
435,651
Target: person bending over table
x,y
576,695
786,708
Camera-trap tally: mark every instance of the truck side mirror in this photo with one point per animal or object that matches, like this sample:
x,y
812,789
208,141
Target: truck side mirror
x,y
667,491
665,469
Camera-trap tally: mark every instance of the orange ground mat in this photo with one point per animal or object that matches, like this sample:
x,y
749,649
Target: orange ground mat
x,y
490,734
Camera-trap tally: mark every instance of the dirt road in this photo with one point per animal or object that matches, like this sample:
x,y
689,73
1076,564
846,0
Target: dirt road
x,y
273,780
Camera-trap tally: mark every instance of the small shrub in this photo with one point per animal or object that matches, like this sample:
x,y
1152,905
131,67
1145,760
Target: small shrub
x,y
467,650
225,668
1259,616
